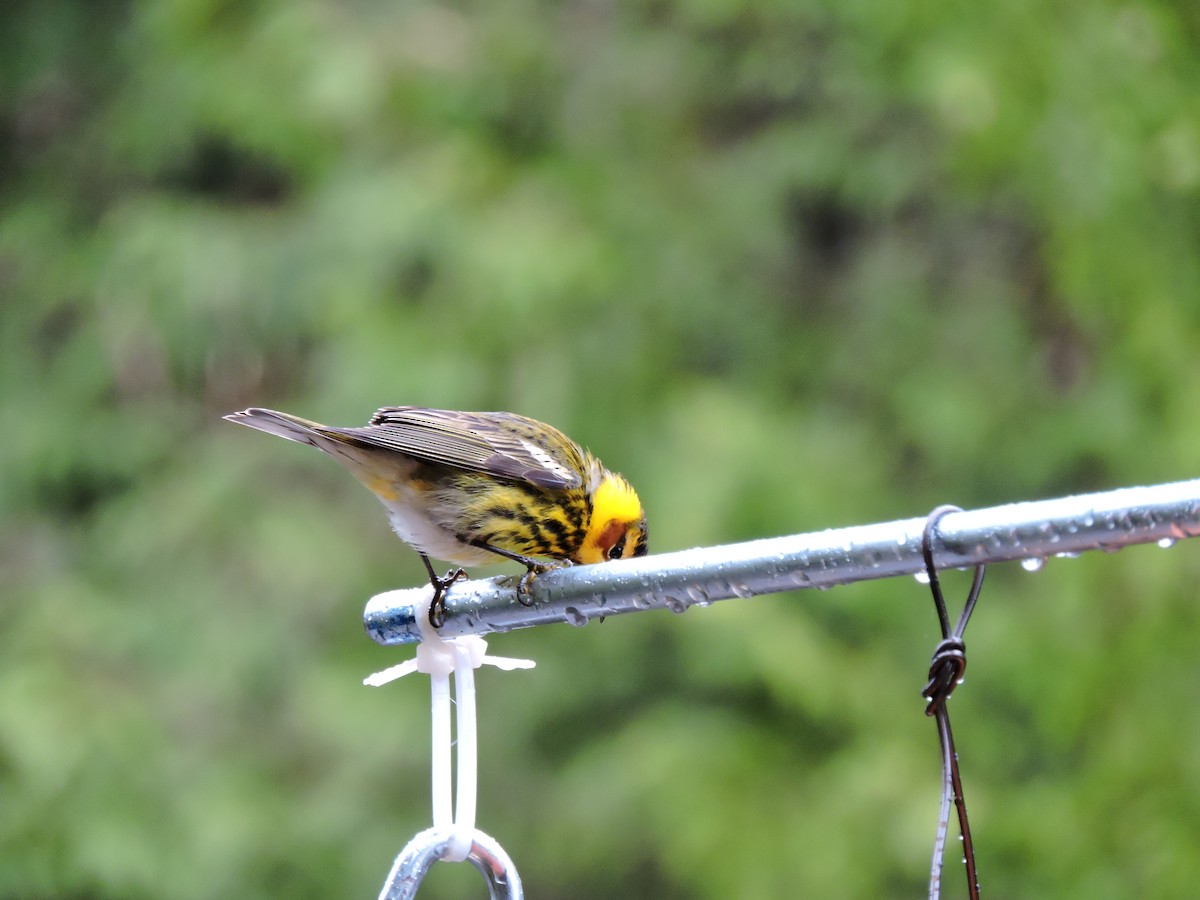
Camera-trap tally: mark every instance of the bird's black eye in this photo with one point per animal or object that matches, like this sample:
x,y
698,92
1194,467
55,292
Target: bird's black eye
x,y
617,550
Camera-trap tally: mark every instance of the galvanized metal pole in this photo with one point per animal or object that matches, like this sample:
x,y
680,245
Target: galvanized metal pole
x,y
676,581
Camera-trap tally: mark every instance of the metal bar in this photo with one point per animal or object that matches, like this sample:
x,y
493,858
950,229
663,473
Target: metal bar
x,y
418,857
1032,531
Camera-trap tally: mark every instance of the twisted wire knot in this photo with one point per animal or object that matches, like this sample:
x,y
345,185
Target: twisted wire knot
x,y
946,671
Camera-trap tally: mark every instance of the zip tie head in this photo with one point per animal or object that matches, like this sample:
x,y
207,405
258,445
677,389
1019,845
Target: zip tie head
x,y
436,655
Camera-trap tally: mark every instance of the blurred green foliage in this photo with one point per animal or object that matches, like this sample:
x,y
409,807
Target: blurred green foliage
x,y
785,265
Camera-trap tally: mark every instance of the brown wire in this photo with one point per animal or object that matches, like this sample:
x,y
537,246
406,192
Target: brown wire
x,y
946,671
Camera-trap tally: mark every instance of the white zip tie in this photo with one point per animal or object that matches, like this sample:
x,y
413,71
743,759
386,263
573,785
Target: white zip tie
x,y
438,658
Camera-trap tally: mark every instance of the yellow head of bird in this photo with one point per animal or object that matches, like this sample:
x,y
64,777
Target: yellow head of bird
x,y
618,524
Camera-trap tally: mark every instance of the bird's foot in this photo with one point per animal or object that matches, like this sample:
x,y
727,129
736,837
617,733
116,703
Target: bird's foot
x,y
531,573
437,609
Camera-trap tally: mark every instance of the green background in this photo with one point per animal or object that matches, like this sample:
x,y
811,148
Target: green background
x,y
786,265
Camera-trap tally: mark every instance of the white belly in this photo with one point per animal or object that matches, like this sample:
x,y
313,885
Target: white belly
x,y
417,529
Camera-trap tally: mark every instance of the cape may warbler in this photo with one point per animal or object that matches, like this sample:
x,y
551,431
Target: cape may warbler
x,y
466,487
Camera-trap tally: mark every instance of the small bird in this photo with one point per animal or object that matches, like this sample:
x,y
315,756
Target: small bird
x,y
466,487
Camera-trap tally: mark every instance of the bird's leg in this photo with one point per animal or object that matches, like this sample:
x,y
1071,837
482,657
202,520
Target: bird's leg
x,y
437,609
532,566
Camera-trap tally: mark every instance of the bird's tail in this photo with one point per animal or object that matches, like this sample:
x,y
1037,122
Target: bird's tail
x,y
286,426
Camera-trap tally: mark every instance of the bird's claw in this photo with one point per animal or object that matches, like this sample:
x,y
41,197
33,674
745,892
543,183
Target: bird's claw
x,y
437,609
531,573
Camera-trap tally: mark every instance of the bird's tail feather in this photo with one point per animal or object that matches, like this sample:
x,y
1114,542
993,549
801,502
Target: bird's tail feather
x,y
282,424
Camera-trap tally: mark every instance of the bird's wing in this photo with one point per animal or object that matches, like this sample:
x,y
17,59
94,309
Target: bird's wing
x,y
495,443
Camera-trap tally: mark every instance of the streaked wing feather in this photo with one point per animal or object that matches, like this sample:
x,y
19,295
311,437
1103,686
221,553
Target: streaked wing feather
x,y
498,443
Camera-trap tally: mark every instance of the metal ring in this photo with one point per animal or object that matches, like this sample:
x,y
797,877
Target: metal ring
x,y
419,855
